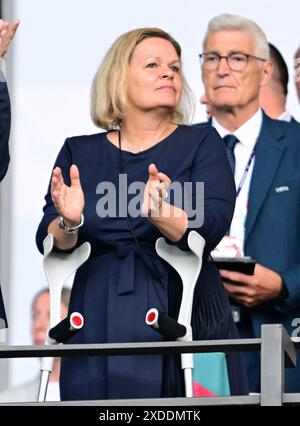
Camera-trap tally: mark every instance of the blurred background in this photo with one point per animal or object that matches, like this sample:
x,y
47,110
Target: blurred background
x,y
50,66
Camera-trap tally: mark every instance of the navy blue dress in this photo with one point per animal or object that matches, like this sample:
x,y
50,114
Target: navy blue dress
x,y
120,282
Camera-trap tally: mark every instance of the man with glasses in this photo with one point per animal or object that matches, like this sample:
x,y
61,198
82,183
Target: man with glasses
x,y
264,155
272,96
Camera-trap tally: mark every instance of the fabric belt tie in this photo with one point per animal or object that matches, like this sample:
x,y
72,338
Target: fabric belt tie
x,y
129,252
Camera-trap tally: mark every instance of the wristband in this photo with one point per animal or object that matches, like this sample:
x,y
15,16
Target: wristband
x,y
69,229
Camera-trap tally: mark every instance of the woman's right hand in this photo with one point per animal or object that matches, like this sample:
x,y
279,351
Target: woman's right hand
x,y
68,200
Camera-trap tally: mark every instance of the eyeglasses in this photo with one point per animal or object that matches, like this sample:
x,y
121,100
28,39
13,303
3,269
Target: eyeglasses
x,y
236,61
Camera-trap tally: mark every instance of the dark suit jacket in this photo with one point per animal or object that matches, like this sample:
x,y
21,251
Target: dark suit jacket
x,y
4,126
272,235
272,232
4,155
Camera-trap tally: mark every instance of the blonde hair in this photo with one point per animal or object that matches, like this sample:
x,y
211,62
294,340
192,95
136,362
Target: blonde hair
x,y
109,88
239,23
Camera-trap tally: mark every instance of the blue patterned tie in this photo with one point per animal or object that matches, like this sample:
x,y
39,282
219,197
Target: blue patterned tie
x,y
230,142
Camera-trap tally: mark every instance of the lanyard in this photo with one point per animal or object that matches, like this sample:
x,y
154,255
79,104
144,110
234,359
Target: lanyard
x,y
245,172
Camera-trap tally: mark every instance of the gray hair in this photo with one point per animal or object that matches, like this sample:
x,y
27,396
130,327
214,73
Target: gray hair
x,y
239,23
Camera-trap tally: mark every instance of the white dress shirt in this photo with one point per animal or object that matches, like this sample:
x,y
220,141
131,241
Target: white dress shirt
x,y
285,116
247,134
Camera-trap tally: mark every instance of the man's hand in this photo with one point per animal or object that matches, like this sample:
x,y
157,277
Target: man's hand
x,y
7,33
251,290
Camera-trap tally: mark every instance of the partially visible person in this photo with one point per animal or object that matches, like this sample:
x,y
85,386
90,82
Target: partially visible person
x,y
297,71
204,101
273,95
138,97
40,320
7,33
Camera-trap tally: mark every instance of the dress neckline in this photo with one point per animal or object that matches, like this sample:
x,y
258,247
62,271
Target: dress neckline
x,y
140,153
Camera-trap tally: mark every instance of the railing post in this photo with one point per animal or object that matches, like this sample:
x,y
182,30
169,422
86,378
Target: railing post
x,y
276,345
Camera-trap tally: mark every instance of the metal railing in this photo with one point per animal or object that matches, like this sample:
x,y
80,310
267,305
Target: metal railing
x,y
278,351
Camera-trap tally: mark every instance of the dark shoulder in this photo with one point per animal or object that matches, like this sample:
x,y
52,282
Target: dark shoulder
x,y
201,130
283,130
78,145
203,134
200,143
86,139
289,126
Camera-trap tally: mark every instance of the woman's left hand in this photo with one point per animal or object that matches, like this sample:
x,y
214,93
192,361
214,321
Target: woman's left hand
x,y
155,192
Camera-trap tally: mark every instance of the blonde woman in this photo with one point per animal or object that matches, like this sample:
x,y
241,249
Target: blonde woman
x,y
114,189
